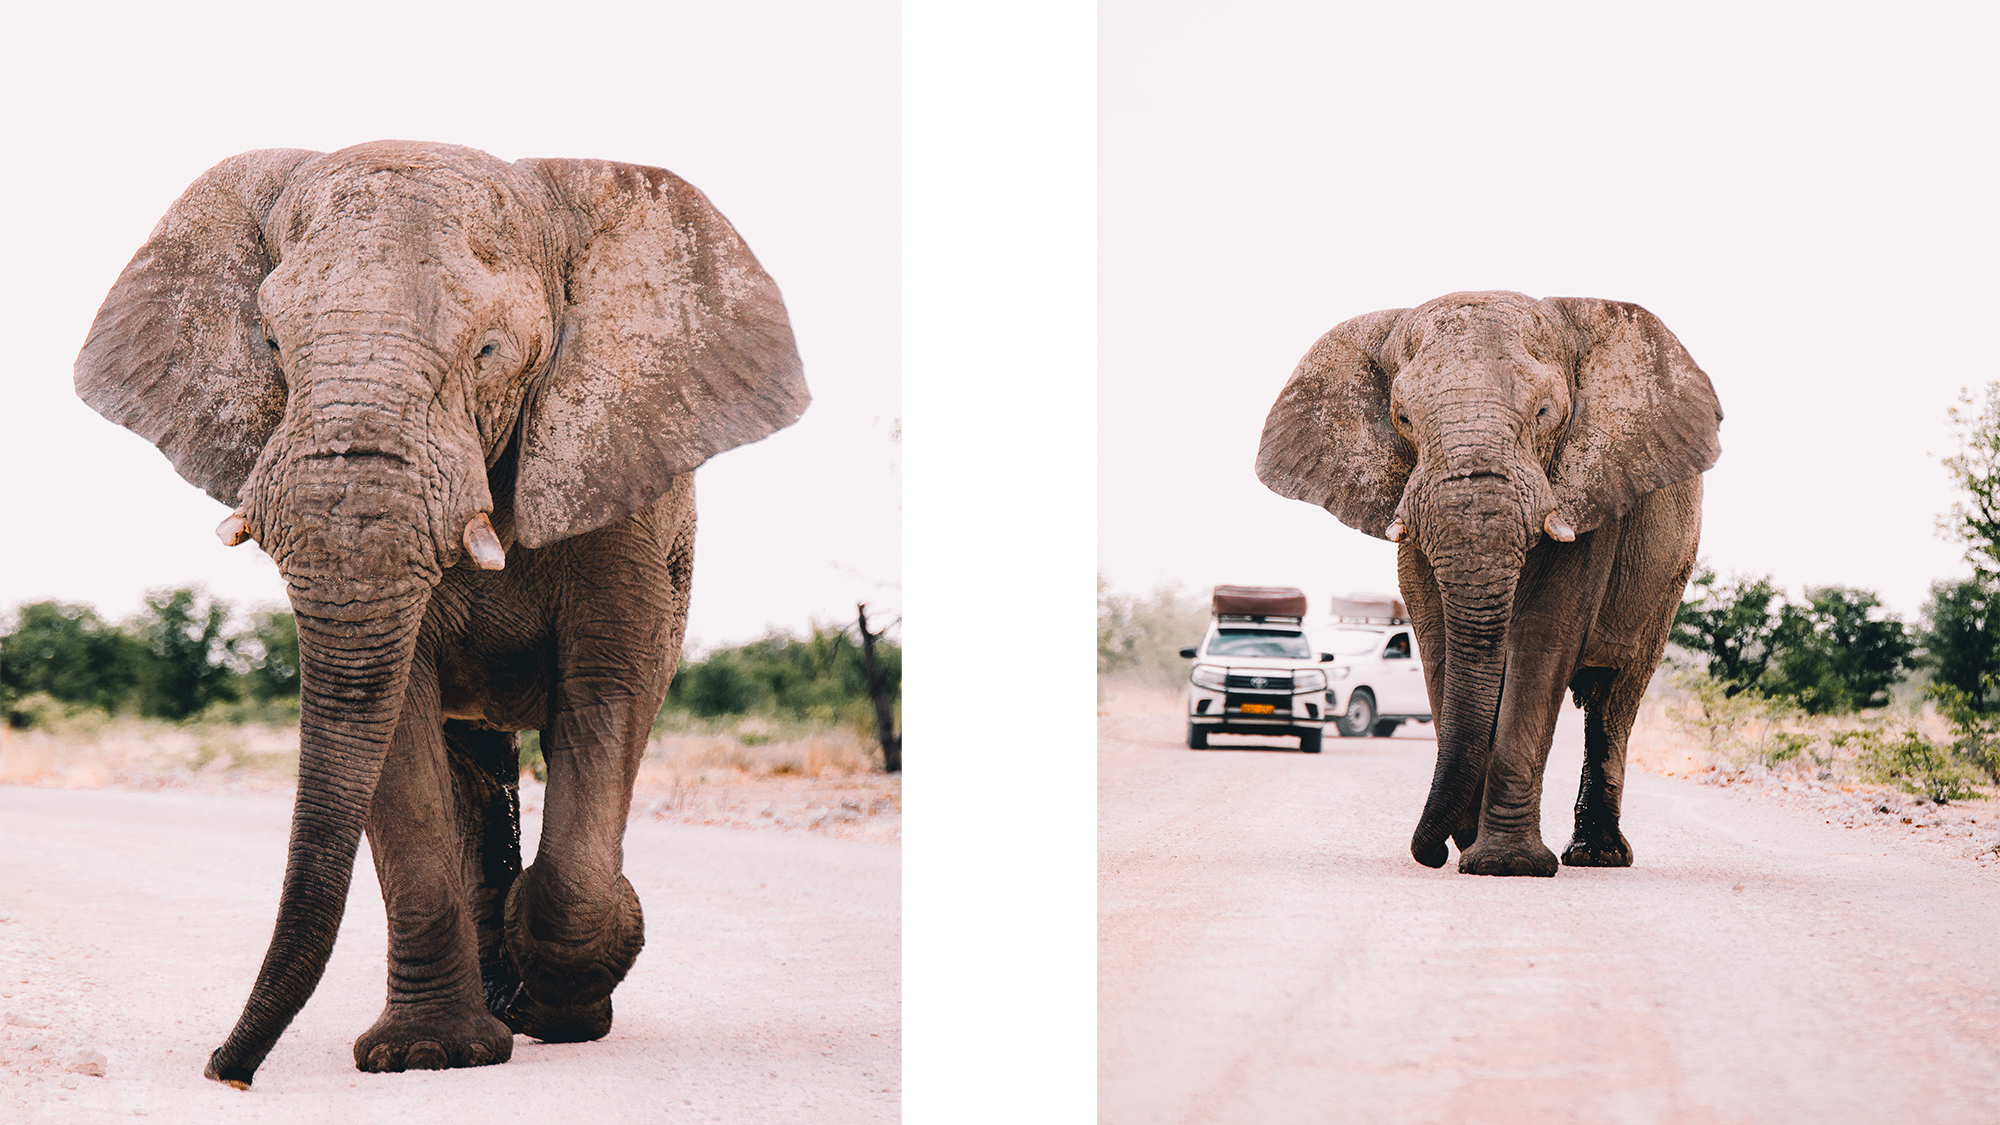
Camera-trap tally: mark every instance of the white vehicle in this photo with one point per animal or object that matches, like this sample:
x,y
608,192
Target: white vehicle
x,y
1255,672
1376,681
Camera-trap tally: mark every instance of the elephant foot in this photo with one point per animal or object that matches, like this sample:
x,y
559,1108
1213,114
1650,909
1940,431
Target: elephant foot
x,y
427,1039
1595,850
1520,857
580,1024
564,973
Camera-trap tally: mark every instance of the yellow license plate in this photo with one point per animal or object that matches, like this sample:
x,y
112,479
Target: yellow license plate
x,y
1259,708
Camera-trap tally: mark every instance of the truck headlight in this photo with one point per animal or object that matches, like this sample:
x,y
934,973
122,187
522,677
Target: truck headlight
x,y
1210,676
1308,679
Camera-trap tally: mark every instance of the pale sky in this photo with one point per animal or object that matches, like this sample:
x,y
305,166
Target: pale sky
x,y
1803,193
785,112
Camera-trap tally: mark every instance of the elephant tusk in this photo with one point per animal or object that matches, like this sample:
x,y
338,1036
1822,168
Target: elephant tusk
x,y
483,545
1558,530
233,529
1394,532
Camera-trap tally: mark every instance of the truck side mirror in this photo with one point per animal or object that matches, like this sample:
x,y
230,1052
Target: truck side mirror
x,y
1326,658
1187,654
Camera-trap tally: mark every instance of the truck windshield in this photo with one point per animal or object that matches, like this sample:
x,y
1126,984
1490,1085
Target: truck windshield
x,y
1259,642
1353,642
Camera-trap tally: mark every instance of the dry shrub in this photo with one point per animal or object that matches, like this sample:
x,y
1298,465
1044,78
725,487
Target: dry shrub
x,y
1686,727
1124,695
87,751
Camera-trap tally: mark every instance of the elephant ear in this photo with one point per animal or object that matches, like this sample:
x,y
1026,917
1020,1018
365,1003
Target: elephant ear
x,y
675,348
177,352
1329,439
1643,415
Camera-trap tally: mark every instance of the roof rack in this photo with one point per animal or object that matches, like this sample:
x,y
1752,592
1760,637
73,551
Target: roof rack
x,y
1259,601
1370,609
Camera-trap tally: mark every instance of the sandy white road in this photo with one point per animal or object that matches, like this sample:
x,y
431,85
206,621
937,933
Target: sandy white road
x,y
134,923
1268,952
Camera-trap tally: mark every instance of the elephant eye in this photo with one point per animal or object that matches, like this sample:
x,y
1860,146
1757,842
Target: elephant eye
x,y
272,343
1403,418
488,350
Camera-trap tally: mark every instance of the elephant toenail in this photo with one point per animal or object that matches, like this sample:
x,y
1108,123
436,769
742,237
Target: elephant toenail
x,y
378,1058
425,1055
478,1054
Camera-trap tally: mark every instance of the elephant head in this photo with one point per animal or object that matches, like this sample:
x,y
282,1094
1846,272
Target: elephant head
x,y
401,358
1471,429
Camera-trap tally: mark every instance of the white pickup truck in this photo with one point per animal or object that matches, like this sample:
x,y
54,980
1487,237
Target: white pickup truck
x,y
1255,672
1376,680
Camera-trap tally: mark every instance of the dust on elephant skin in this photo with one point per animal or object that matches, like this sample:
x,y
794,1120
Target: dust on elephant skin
x,y
459,402
1538,463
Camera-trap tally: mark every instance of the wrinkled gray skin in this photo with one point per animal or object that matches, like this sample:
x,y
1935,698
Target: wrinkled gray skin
x,y
365,350
1478,430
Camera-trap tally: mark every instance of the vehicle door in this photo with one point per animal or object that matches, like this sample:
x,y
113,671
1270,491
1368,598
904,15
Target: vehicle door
x,y
1402,677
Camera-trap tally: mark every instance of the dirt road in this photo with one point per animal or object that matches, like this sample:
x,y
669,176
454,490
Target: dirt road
x,y
132,923
1269,952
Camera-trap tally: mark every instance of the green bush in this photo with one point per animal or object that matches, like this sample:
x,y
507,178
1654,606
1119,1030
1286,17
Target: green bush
x,y
1835,652
1784,746
1910,761
819,678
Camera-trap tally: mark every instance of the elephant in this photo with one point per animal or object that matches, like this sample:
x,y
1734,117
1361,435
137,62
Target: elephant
x,y
458,402
1538,465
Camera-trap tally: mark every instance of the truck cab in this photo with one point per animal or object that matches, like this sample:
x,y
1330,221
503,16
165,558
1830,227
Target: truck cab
x,y
1375,682
1255,670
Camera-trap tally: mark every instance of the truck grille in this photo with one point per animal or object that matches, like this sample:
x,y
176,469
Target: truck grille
x,y
1241,681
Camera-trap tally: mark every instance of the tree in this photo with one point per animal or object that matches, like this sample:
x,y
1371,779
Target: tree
x,y
1733,622
879,696
188,660
1975,520
1961,637
270,649
1141,636
67,651
1837,652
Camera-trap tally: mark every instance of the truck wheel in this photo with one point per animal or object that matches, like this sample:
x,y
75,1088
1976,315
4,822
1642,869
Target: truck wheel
x,y
1197,738
1309,741
1360,714
1386,727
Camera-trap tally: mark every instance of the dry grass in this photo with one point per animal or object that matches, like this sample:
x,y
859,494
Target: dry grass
x,y
756,774
746,774
93,752
1672,736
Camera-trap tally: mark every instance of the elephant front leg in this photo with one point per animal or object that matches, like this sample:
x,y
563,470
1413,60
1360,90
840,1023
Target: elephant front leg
x,y
436,1015
1509,839
573,924
1610,707
1543,645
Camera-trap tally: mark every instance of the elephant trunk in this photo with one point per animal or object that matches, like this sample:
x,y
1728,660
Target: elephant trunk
x,y
353,674
1478,526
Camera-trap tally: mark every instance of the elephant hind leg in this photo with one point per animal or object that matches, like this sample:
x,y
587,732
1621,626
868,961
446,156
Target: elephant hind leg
x,y
485,766
1610,702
